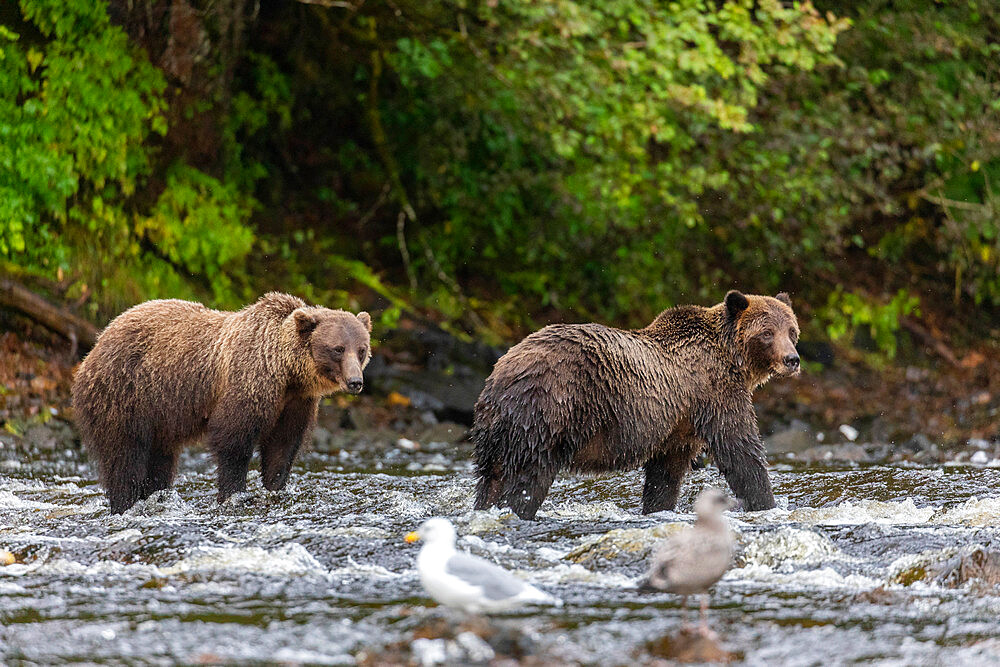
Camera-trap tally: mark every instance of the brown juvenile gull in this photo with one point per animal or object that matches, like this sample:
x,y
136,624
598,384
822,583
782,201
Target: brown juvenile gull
x,y
691,561
457,579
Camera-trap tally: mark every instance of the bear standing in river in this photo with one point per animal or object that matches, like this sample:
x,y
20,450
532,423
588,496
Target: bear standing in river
x,y
591,398
165,373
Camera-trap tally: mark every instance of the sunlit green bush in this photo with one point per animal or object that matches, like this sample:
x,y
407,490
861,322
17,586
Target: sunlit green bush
x,y
79,107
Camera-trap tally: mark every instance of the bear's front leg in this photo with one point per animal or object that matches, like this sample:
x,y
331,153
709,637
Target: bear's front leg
x,y
664,475
233,433
280,445
734,441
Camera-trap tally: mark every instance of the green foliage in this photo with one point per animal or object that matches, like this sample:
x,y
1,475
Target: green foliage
x,y
846,311
495,163
567,135
78,105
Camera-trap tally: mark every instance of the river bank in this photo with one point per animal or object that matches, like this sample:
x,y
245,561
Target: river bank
x,y
422,384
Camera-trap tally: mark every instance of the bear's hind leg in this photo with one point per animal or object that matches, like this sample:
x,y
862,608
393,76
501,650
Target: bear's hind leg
x,y
526,494
664,474
490,485
124,476
488,489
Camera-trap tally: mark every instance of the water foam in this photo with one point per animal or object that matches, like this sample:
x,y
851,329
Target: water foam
x,y
973,512
598,511
785,545
290,559
824,577
850,513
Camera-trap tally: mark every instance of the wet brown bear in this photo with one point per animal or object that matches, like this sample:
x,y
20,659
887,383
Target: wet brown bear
x,y
165,373
591,398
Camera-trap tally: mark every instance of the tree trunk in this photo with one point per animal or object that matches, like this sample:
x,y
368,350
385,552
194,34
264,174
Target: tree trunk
x,y
15,296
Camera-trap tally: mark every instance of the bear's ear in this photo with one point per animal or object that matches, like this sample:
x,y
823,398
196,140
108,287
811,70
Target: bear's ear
x,y
304,322
736,303
784,298
366,320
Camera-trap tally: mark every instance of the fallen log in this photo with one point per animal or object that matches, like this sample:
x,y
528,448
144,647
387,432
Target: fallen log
x,y
79,331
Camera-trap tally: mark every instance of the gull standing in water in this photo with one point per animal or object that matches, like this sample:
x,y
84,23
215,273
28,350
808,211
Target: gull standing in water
x,y
691,561
457,579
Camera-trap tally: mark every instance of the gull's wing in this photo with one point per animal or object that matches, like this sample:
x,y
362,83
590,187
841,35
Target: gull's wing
x,y
495,582
693,558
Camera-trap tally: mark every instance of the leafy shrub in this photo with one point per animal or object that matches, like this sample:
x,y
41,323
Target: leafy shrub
x,y
78,107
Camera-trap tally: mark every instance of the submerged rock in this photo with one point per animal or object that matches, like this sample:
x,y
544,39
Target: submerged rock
x,y
787,544
622,546
949,567
690,646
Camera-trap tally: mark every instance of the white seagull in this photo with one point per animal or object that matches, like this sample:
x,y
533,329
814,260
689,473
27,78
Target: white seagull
x,y
457,579
691,561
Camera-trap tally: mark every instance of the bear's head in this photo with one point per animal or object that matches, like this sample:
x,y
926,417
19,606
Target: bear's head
x,y
766,334
340,345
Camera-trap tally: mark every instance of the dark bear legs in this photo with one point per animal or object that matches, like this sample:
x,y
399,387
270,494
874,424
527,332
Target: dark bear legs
x,y
664,474
231,441
524,494
738,452
159,471
279,447
527,492
124,477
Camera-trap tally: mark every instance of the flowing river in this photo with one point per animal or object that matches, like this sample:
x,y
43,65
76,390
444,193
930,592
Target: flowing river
x,y
320,573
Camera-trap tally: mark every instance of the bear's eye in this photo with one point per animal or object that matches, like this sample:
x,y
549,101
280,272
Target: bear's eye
x,y
361,353
339,350
767,335
794,335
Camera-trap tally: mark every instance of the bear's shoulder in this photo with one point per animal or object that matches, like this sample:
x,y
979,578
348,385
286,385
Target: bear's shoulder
x,y
277,305
685,322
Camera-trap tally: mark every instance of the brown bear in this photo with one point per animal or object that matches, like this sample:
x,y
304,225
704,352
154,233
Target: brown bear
x,y
591,398
165,373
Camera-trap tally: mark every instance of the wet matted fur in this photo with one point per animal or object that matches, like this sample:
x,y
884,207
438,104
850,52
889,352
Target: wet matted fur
x,y
591,398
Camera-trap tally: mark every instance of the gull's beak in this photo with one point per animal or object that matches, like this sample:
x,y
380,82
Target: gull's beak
x,y
412,537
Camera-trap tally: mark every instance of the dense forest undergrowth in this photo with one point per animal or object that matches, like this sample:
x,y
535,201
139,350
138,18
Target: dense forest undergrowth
x,y
491,167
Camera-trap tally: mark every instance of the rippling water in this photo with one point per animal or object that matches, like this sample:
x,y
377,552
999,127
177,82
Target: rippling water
x,y
319,573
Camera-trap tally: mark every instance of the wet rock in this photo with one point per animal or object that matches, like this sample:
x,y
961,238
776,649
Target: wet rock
x,y
919,443
434,370
949,567
878,596
622,546
784,545
689,646
443,432
980,458
52,435
475,640
880,452
407,445
848,432
835,454
919,448
798,437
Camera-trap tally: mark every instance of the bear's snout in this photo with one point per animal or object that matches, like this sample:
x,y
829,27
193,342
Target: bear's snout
x,y
792,362
355,385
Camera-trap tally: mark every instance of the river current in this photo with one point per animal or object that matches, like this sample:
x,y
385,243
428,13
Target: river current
x,y
319,573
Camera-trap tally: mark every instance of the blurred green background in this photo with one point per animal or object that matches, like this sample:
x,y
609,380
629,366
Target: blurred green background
x,y
496,165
